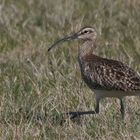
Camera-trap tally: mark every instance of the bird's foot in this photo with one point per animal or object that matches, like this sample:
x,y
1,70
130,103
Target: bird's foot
x,y
73,114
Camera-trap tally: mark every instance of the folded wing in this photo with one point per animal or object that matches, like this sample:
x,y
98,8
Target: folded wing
x,y
101,73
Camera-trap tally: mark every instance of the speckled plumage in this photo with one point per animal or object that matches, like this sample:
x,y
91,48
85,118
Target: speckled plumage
x,y
106,74
106,77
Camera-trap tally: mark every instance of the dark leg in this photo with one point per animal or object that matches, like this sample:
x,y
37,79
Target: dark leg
x,y
122,108
97,105
77,114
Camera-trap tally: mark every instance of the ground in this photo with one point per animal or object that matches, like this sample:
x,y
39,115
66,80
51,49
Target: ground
x,y
37,87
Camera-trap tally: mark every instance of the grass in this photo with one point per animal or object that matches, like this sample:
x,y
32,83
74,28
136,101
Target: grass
x,y
36,88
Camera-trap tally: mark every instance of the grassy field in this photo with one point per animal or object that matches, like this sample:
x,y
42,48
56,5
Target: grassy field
x,y
37,87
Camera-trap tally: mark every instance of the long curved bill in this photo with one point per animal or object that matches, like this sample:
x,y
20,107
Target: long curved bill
x,y
72,37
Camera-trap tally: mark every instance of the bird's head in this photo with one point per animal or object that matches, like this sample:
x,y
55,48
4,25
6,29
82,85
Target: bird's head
x,y
85,34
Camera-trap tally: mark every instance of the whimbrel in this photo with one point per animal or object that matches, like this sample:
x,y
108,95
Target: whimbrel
x,y
105,77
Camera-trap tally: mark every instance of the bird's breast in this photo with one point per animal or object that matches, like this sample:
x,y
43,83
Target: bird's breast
x,y
87,72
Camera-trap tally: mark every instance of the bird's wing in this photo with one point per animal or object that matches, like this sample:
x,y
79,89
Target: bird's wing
x,y
112,74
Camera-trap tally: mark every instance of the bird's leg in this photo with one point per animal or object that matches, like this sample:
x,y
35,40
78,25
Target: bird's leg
x,y
77,114
97,105
122,108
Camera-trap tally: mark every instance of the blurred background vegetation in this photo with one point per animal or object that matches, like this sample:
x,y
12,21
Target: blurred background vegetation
x,y
37,87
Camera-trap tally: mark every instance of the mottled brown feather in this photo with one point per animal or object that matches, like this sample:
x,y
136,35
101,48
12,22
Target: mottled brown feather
x,y
108,74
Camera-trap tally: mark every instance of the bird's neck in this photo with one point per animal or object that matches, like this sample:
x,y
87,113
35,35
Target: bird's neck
x,y
86,48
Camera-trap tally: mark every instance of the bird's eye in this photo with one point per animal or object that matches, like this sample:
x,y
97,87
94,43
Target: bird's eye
x,y
85,31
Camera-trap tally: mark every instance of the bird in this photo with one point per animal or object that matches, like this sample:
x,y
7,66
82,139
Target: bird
x,y
105,77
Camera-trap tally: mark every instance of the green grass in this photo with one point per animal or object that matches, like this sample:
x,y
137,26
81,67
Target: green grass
x,y
37,87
